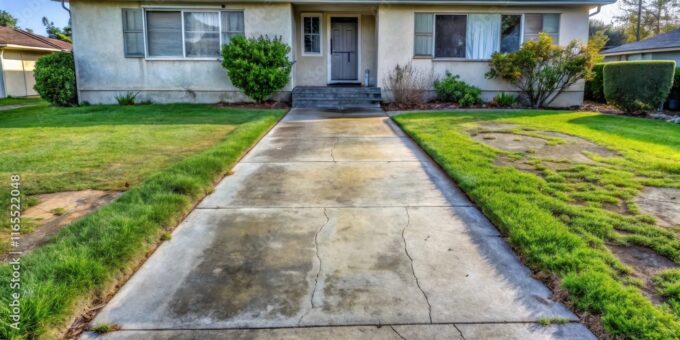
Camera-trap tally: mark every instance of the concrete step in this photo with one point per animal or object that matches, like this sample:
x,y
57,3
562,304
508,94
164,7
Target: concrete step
x,y
336,97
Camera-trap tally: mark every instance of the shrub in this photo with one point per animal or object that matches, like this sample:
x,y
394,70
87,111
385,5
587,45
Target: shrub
x,y
407,84
452,89
55,79
128,98
542,70
638,85
258,66
675,90
594,89
505,99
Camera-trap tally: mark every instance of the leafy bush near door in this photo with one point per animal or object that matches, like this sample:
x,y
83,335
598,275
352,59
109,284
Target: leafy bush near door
x,y
258,66
452,89
55,79
638,85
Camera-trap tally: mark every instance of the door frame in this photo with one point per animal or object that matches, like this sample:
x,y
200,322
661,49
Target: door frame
x,y
328,46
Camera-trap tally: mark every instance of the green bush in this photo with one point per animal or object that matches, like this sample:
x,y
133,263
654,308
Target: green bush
x,y
675,90
595,87
55,79
505,99
257,66
126,99
638,85
452,89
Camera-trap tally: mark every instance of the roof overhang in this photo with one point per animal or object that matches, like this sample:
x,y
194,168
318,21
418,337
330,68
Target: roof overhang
x,y
405,2
649,50
28,48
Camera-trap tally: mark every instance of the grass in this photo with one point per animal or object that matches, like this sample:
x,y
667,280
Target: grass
x,y
20,101
558,220
170,156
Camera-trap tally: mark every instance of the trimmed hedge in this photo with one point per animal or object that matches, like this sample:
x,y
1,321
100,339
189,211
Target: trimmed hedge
x,y
675,90
55,79
595,86
638,85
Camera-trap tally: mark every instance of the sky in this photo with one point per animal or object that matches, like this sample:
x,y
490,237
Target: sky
x,y
30,13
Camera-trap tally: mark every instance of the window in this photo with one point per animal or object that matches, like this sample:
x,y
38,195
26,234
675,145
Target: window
x,y
311,34
450,35
511,32
536,23
483,35
232,25
133,33
165,33
423,34
190,34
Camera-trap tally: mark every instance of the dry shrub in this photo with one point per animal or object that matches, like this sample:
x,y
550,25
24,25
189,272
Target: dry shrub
x,y
408,85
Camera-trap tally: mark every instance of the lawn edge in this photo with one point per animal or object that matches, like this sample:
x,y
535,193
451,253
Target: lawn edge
x,y
84,306
91,305
552,282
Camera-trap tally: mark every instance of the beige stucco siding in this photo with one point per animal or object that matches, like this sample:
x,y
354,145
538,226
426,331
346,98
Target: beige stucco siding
x,y
104,71
313,70
396,36
17,72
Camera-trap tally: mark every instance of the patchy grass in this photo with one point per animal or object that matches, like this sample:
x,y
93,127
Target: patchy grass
x,y
166,180
560,218
668,284
20,101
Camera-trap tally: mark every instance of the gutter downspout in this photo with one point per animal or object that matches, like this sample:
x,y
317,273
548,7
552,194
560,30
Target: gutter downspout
x,y
3,93
597,11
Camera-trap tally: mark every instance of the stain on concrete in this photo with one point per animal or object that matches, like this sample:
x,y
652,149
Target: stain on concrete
x,y
662,203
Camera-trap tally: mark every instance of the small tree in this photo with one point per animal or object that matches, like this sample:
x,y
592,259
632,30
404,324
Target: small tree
x,y
542,70
55,79
257,66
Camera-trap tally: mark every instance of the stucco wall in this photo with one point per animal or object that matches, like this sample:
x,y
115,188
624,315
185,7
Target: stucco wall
x,y
17,72
313,70
103,71
395,45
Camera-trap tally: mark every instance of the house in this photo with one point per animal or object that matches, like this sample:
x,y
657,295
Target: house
x,y
169,51
661,47
18,52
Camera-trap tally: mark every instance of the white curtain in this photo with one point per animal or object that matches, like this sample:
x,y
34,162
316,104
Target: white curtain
x,y
202,34
483,35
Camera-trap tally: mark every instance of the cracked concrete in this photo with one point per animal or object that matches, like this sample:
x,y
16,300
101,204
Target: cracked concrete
x,y
336,226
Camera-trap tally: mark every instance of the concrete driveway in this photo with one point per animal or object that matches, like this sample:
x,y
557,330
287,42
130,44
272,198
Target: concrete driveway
x,y
336,226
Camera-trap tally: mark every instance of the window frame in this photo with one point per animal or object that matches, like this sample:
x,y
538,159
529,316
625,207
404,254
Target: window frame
x,y
431,35
302,34
182,11
543,14
434,31
124,14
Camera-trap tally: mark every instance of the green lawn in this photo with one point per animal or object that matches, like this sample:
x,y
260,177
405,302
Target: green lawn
x,y
20,101
559,218
168,155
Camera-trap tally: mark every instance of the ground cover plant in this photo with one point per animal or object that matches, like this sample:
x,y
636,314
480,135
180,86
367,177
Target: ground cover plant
x,y
167,156
569,216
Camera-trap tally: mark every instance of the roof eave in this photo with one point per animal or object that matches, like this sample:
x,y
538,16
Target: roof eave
x,y
440,2
30,48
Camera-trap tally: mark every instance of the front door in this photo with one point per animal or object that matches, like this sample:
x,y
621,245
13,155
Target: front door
x,y
344,49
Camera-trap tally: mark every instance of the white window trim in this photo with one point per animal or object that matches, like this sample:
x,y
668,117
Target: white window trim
x,y
182,10
434,32
302,34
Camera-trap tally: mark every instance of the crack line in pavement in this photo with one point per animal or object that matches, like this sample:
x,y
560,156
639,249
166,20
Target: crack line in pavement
x,y
395,331
335,141
318,273
459,331
413,270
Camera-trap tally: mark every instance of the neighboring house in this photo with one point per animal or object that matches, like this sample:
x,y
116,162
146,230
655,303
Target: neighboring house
x,y
18,52
661,47
169,51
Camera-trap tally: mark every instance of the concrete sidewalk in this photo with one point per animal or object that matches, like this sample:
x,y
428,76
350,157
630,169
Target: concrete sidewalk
x,y
336,226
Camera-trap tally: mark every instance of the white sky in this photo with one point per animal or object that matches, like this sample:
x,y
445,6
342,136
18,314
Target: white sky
x,y
608,13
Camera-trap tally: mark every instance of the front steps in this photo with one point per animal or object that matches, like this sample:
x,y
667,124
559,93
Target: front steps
x,y
336,97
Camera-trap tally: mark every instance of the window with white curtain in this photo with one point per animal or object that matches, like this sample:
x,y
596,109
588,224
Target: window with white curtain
x,y
190,34
202,34
483,34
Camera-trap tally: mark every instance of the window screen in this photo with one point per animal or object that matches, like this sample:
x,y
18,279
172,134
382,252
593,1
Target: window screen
x,y
133,33
423,34
511,30
202,34
232,25
536,23
450,36
311,26
164,33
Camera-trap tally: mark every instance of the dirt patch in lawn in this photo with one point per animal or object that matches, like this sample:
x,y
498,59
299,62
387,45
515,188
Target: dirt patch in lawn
x,y
662,203
645,263
568,148
57,210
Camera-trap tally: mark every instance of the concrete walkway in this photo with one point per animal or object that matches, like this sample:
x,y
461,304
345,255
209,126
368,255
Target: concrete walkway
x,y
332,225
